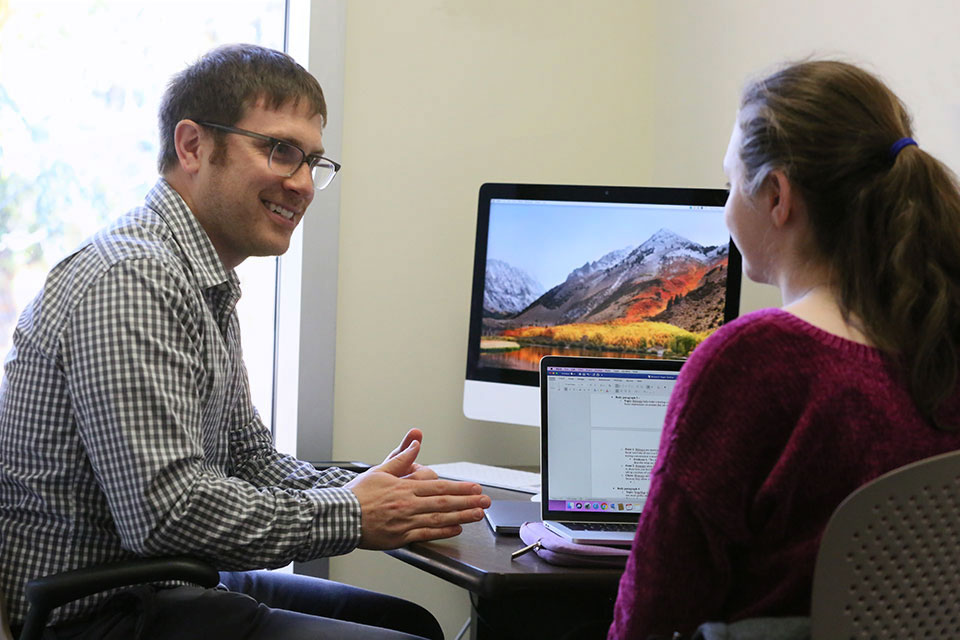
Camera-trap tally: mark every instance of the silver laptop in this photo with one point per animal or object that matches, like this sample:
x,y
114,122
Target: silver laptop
x,y
601,420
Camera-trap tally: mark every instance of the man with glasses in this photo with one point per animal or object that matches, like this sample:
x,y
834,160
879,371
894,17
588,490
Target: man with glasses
x,y
126,425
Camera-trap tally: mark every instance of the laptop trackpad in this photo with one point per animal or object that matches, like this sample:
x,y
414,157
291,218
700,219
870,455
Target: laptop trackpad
x,y
618,534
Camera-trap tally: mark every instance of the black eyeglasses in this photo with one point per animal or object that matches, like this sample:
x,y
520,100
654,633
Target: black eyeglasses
x,y
286,158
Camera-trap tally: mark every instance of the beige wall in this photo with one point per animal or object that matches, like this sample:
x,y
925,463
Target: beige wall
x,y
441,96
707,50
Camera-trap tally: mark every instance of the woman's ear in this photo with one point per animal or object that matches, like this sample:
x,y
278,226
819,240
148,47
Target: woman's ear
x,y
779,198
187,139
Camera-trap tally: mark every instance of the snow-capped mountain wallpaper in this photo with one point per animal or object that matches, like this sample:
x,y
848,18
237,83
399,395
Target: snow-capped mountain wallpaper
x,y
657,296
507,289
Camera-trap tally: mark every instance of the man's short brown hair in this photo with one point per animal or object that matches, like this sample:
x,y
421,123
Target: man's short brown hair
x,y
225,82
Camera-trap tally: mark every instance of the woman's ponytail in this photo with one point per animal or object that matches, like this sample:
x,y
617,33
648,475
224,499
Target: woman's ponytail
x,y
885,215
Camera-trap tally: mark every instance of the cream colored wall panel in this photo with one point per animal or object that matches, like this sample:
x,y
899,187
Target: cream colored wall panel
x,y
441,97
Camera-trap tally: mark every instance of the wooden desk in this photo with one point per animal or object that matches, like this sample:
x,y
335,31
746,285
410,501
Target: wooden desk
x,y
523,598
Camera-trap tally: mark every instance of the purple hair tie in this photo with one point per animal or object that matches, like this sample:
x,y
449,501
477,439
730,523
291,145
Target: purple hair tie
x,y
898,146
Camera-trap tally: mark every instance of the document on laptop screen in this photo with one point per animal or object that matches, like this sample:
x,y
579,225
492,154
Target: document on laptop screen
x,y
604,432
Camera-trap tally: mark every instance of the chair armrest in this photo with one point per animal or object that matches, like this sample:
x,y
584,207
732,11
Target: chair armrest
x,y
357,467
49,592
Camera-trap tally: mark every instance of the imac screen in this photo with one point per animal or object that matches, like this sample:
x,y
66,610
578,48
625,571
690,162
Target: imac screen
x,y
595,271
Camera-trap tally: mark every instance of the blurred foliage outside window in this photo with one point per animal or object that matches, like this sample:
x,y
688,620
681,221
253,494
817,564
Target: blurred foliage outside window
x,y
80,85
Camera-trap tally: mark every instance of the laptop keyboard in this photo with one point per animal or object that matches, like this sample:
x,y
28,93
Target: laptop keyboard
x,y
601,526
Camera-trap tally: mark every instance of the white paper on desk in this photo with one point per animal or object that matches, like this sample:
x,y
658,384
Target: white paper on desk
x,y
489,475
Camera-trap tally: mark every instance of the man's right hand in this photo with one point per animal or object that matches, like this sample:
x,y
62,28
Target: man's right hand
x,y
395,511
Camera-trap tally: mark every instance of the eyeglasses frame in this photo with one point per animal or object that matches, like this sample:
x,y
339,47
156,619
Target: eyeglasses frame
x,y
309,159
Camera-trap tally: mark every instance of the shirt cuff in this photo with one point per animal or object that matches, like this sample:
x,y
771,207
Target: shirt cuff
x,y
336,522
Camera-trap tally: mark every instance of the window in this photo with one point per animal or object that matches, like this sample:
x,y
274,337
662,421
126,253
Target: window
x,y
80,84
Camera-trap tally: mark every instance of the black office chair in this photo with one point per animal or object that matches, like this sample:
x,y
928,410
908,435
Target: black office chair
x,y
49,592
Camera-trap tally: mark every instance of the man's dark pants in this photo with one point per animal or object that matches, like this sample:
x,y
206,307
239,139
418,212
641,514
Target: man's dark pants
x,y
255,605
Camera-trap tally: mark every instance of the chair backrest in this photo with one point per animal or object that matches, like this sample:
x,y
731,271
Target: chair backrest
x,y
889,562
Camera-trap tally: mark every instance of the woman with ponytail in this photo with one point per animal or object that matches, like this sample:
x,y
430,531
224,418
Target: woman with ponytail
x,y
782,413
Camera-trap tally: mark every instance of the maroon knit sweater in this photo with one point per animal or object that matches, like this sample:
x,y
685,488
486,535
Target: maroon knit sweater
x,y
772,423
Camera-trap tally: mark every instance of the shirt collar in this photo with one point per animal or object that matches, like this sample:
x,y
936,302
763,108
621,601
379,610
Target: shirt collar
x,y
193,240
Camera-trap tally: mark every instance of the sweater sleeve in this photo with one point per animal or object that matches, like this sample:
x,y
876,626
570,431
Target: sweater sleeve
x,y
713,456
677,574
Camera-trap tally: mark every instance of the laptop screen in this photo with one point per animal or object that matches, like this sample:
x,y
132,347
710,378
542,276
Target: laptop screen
x,y
600,432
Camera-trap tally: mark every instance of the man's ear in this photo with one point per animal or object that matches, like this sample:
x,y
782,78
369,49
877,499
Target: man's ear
x,y
187,138
779,197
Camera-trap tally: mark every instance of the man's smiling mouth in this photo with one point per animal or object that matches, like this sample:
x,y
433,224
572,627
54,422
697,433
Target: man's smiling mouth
x,y
281,211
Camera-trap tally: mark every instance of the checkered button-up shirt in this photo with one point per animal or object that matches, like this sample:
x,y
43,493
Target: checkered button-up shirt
x,y
126,425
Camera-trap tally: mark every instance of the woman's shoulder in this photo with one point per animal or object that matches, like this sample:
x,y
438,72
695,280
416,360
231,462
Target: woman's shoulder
x,y
762,322
738,396
756,333
764,350
775,333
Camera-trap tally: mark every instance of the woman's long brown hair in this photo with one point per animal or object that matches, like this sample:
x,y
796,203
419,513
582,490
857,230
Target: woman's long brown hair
x,y
887,225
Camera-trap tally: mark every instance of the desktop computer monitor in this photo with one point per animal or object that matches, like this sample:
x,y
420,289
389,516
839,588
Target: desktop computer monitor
x,y
642,272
